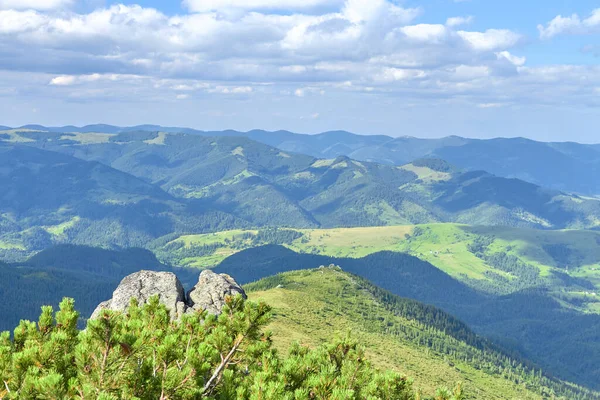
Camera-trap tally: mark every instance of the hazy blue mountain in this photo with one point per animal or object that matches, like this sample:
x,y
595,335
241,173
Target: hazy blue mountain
x,y
97,128
565,166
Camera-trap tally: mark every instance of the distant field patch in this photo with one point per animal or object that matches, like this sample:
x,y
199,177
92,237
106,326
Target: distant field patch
x,y
88,138
158,140
426,174
14,137
322,163
59,230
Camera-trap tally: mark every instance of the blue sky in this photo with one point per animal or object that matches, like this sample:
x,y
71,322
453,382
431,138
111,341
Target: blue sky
x,y
477,68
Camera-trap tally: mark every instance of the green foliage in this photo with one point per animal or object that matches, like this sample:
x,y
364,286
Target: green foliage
x,y
435,164
522,275
141,354
275,236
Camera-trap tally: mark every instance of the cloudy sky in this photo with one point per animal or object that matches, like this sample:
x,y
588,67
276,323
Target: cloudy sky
x,y
478,68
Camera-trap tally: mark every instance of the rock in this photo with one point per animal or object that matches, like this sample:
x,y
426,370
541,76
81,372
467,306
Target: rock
x,y
143,285
210,292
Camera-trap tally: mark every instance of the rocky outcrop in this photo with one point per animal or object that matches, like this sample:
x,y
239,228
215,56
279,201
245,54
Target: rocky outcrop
x,y
209,293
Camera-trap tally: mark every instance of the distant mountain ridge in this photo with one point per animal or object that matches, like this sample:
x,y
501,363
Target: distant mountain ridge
x,y
565,166
132,188
264,186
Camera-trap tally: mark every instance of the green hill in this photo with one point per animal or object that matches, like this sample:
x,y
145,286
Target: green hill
x,y
532,322
437,350
496,260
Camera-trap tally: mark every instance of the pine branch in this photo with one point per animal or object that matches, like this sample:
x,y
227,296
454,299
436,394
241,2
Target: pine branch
x,y
216,377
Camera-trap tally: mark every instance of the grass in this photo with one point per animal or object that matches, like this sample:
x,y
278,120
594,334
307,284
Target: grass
x,y
229,242
426,174
59,230
322,163
313,306
89,138
5,245
211,238
14,137
445,246
158,140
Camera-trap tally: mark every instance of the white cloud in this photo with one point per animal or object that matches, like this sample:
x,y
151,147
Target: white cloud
x,y
381,11
217,5
571,25
63,81
231,90
12,22
294,69
399,74
490,105
492,39
515,60
35,4
425,32
351,47
457,21
70,80
301,92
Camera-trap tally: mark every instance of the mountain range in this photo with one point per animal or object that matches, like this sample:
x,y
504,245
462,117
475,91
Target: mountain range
x,y
140,186
565,166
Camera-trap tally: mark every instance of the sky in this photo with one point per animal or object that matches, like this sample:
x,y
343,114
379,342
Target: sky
x,y
473,68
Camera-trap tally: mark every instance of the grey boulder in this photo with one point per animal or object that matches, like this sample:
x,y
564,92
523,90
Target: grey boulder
x,y
209,293
211,290
143,285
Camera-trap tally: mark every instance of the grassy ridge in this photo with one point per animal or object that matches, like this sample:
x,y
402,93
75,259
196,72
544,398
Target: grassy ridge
x,y
314,305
